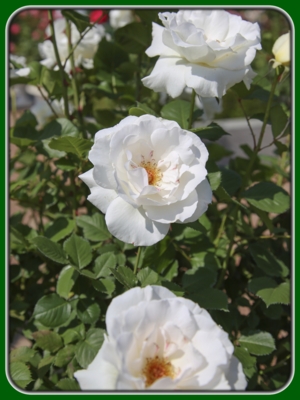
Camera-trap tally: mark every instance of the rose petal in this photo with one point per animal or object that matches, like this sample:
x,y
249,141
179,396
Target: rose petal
x,y
132,226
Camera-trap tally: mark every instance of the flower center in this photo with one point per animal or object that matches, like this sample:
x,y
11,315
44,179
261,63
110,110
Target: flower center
x,y
157,368
154,173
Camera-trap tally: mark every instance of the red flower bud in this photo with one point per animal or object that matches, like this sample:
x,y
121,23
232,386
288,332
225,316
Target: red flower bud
x,y
98,16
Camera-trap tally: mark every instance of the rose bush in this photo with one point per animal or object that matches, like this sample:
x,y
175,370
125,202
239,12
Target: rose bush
x,y
158,341
84,52
281,51
208,51
148,173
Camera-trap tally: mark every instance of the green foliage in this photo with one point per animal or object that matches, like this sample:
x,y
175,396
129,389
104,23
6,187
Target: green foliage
x,y
66,267
81,21
177,110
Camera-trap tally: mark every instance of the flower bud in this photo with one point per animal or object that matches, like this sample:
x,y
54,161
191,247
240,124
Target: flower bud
x,y
281,51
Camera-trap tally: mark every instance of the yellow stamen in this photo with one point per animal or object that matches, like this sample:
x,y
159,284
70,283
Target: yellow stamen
x,y
157,368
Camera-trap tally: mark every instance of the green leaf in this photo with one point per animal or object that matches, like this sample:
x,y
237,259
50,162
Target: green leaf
x,y
23,354
74,334
211,132
72,145
177,110
94,227
88,311
271,293
217,152
109,56
48,340
148,277
268,197
44,366
211,299
176,289
51,81
125,276
133,38
64,356
81,21
59,229
59,127
266,261
50,249
104,264
36,72
79,251
244,356
141,109
195,280
65,164
215,179
261,343
279,121
88,349
66,280
68,384
104,286
20,374
52,310
231,180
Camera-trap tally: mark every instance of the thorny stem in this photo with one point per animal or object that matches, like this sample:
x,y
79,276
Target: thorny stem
x,y
47,101
262,132
61,68
74,80
229,250
278,365
137,260
245,180
192,109
248,122
221,229
263,128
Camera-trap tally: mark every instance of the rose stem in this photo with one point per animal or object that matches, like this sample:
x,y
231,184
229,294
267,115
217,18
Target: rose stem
x,y
82,35
244,182
47,101
137,261
74,81
192,109
248,122
61,70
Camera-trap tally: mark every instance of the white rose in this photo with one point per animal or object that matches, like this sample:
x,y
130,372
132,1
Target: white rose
x,y
148,173
157,341
21,70
208,51
120,18
281,51
43,112
84,52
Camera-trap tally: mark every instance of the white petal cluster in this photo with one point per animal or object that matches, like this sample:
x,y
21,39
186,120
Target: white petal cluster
x,y
120,18
206,50
148,173
281,51
157,341
84,52
22,70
